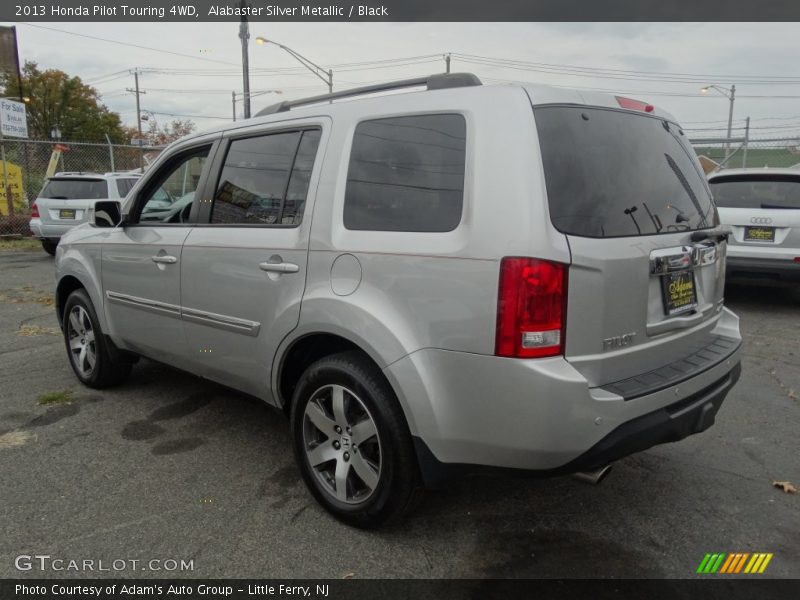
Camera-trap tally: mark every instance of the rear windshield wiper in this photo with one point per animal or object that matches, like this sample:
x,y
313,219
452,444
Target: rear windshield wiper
x,y
57,198
779,207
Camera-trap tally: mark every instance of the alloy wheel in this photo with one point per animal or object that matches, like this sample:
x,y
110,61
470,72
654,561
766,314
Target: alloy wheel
x,y
342,444
81,340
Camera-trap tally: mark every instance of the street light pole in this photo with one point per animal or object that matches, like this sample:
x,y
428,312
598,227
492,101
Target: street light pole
x,y
731,96
326,76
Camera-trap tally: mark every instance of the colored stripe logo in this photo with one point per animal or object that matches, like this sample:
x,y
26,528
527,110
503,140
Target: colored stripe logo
x,y
734,563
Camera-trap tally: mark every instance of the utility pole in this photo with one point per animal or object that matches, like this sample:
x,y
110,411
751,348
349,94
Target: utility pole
x,y
447,62
746,141
233,104
244,35
137,91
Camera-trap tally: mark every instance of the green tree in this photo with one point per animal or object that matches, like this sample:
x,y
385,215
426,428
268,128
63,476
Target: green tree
x,y
56,99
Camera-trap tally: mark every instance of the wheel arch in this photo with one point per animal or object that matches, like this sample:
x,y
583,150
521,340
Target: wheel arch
x,y
306,348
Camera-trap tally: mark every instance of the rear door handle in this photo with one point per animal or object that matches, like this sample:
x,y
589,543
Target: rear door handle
x,y
283,267
164,259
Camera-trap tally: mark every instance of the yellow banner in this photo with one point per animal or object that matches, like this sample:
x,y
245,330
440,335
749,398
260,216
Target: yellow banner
x,y
14,187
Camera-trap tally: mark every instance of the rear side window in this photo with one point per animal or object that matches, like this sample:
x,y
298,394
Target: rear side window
x,y
264,180
613,173
75,189
406,174
757,191
124,186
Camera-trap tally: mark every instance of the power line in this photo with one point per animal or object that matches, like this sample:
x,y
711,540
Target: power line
x,y
92,37
609,73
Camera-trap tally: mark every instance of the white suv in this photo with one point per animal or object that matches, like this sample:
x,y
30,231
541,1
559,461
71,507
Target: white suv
x,y
67,199
762,207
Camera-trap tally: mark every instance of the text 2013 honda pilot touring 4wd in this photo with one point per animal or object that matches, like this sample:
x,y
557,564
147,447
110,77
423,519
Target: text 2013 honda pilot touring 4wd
x,y
429,282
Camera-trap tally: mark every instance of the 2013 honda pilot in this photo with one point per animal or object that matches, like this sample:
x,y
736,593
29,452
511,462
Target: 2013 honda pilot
x,y
432,282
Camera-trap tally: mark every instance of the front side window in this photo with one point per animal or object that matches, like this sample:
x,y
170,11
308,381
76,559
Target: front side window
x,y
407,174
265,179
170,198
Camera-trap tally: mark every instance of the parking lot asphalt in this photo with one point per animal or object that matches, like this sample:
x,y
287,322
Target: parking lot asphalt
x,y
169,466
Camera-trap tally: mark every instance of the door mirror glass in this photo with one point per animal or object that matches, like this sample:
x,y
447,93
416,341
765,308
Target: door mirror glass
x,y
107,213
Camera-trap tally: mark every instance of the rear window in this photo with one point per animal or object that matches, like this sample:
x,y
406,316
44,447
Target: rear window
x,y
406,174
75,189
757,191
613,173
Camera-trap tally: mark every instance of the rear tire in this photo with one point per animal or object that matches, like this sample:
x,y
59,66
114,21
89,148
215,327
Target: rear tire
x,y
352,443
49,247
90,355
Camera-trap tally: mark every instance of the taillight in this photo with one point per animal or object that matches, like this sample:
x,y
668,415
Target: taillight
x,y
632,104
531,308
34,211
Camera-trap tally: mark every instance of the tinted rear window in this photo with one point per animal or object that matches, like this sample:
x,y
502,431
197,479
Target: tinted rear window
x,y
75,189
406,174
612,173
757,191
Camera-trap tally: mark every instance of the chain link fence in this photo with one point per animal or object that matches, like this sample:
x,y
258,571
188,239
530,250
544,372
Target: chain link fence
x,y
735,153
27,162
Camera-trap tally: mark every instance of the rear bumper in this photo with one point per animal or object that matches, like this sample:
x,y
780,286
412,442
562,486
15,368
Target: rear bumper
x,y
48,231
469,412
775,267
693,414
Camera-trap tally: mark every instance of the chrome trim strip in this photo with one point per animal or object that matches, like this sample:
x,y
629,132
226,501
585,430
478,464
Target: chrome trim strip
x,y
234,324
202,317
161,308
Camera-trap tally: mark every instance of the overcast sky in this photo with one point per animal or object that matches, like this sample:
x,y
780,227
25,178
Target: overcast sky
x,y
726,53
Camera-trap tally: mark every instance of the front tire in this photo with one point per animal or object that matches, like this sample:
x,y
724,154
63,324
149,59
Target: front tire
x,y
352,442
89,352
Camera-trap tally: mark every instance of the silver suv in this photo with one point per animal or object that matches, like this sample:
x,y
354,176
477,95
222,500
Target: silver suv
x,y
66,200
762,208
455,278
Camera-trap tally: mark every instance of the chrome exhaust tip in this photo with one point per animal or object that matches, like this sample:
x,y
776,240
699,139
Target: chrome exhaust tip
x,y
593,477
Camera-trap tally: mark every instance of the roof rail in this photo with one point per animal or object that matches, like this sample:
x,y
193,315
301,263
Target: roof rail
x,y
439,81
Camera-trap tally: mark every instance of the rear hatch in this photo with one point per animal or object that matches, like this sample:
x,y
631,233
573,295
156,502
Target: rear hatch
x,y
66,200
645,288
763,209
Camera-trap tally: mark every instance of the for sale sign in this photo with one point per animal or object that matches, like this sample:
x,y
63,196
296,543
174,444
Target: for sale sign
x,y
13,119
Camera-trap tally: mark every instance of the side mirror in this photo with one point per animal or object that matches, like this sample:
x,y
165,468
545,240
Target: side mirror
x,y
107,213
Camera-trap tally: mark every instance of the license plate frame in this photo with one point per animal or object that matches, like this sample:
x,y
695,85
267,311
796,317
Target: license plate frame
x,y
66,213
759,233
678,292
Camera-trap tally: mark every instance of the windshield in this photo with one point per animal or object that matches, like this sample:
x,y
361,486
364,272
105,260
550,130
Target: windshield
x,y
757,191
612,173
75,189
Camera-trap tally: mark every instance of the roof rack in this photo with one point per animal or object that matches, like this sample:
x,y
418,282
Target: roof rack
x,y
439,81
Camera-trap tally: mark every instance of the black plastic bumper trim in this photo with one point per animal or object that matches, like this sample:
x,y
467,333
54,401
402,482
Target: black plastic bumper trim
x,y
707,357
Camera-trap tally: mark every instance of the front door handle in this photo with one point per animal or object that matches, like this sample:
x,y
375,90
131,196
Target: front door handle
x,y
282,267
165,259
